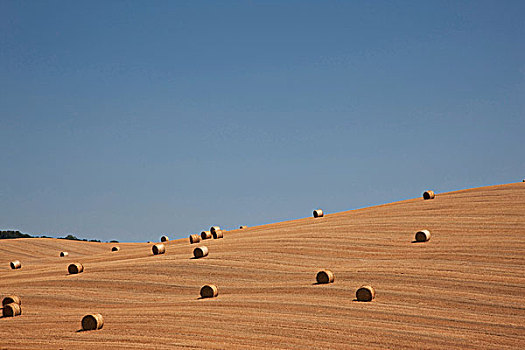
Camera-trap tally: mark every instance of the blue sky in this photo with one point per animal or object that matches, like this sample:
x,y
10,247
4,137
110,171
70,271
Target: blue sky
x,y
131,119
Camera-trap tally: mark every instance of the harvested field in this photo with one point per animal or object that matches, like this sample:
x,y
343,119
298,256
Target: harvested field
x,y
464,288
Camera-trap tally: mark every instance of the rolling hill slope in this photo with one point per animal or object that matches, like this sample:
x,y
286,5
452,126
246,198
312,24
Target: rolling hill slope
x,y
465,288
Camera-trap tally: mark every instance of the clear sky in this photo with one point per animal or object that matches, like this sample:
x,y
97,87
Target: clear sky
x,y
131,119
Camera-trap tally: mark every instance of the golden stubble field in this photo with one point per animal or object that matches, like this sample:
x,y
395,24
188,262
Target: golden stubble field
x,y
465,288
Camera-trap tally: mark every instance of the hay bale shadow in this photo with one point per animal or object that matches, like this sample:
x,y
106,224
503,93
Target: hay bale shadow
x,y
86,330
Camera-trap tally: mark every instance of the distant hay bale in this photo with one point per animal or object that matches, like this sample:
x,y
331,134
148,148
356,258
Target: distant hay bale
x,y
75,268
429,195
92,322
15,264
11,310
318,213
217,234
365,293
214,229
243,227
64,254
195,238
209,291
325,276
200,252
422,236
158,248
115,249
206,235
164,239
12,299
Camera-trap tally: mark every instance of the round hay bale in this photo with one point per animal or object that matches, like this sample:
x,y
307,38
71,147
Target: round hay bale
x,y
217,234
422,236
429,195
15,264
365,293
63,254
11,310
115,249
214,229
75,268
164,239
243,227
206,235
195,238
209,291
318,213
200,252
12,299
325,276
92,322
158,248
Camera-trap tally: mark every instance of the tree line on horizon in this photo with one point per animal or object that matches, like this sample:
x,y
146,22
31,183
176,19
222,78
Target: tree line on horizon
x,y
10,234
